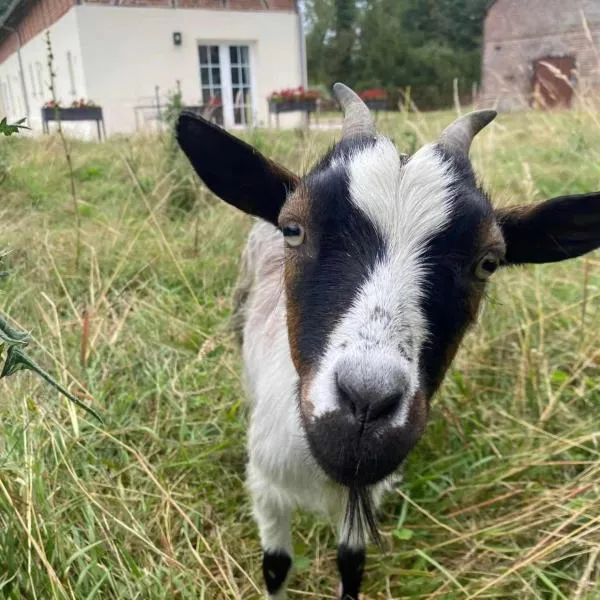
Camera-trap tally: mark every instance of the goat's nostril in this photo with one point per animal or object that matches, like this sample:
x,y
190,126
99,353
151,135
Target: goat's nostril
x,y
366,403
385,407
350,399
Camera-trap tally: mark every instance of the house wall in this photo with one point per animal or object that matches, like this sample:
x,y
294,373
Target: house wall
x,y
214,4
517,32
64,35
128,51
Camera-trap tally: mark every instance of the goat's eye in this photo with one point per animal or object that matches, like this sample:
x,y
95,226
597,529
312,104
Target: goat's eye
x,y
293,234
487,266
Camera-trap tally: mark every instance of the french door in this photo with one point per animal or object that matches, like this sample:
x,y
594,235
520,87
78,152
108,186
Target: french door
x,y
226,81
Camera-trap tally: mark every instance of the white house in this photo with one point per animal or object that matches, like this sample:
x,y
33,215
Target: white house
x,y
127,56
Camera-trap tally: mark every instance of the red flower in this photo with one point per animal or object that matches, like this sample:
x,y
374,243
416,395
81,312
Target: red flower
x,y
298,94
373,94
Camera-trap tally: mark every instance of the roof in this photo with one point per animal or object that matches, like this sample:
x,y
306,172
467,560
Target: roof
x,y
19,8
13,15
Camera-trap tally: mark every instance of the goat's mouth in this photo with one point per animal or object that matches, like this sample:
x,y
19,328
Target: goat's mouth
x,y
354,453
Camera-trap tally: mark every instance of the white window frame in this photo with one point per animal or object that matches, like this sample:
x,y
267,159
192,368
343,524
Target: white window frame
x,y
71,71
40,79
11,98
226,84
4,98
33,88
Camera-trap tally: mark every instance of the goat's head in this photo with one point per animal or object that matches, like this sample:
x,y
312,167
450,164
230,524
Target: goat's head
x,y
386,261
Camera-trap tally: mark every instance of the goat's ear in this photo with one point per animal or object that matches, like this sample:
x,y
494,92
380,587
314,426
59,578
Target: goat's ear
x,y
233,170
551,231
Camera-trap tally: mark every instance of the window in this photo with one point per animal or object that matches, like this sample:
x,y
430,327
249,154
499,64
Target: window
x,y
210,78
239,60
225,78
71,74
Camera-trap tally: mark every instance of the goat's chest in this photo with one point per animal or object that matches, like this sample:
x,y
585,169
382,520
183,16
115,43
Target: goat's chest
x,y
277,446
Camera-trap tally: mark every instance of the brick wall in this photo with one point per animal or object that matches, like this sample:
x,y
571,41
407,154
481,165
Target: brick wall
x,y
45,12
42,15
517,32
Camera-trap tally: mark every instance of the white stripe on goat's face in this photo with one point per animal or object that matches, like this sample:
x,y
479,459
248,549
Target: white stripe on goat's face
x,y
381,334
379,296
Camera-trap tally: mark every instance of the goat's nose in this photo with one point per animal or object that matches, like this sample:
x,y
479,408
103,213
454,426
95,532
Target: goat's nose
x,y
371,394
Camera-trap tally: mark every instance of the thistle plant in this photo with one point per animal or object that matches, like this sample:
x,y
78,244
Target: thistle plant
x,y
13,342
8,129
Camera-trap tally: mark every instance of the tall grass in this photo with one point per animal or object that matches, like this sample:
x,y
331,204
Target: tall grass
x,y
501,499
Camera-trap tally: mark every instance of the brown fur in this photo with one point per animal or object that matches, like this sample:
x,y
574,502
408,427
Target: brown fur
x,y
295,210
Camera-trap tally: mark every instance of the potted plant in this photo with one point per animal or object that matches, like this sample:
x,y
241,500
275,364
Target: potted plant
x,y
375,98
292,99
80,110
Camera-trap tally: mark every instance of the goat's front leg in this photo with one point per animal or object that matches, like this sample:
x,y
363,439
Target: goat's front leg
x,y
274,525
351,564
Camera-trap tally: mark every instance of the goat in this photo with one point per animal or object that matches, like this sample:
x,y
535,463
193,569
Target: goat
x,y
357,285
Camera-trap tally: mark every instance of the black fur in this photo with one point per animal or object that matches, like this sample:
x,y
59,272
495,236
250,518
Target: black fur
x,y
276,566
233,170
351,565
451,258
552,231
360,514
346,246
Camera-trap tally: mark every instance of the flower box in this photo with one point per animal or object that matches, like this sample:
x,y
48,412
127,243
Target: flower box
x,y
293,99
81,112
87,113
375,98
278,106
376,104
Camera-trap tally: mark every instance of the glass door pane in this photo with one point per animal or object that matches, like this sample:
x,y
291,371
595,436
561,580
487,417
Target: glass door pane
x,y
210,80
239,61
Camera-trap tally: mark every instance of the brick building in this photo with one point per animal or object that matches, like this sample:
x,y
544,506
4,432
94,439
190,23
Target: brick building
x,y
542,53
124,54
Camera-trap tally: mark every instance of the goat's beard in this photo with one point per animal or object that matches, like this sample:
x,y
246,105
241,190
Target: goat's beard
x,y
360,521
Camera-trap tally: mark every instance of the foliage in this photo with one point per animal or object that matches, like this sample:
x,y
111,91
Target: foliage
x,y
397,44
6,129
4,4
183,191
496,501
81,103
15,342
16,360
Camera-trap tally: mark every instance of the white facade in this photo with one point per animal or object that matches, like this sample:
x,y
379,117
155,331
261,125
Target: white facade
x,y
66,48
118,57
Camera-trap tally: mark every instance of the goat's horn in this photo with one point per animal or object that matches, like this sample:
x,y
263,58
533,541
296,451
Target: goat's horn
x,y
458,136
358,120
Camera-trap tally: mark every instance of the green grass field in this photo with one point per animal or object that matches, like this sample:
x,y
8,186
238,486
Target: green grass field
x,y
501,498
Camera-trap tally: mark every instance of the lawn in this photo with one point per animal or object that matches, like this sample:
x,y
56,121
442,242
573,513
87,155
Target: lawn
x,y
501,498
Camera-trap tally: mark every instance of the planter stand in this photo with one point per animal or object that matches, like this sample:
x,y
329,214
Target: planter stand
x,y
87,113
306,106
